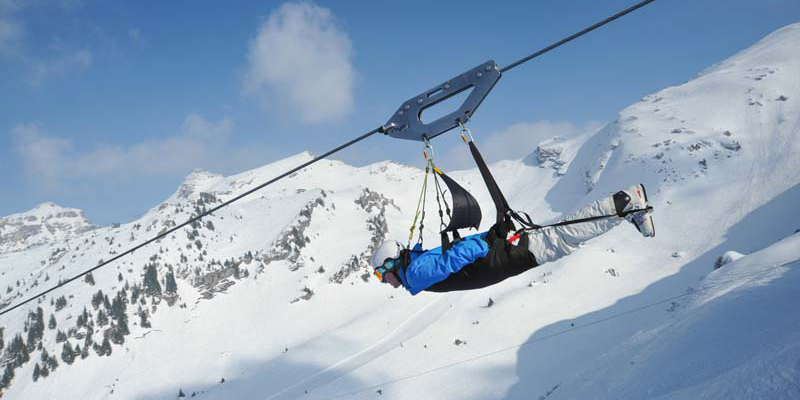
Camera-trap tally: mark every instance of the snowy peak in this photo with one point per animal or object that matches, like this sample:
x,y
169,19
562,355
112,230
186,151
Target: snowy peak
x,y
45,223
198,181
737,110
778,48
555,154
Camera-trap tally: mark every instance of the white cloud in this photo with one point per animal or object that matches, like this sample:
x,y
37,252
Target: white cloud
x,y
54,163
515,141
10,30
39,62
302,59
521,139
43,155
40,70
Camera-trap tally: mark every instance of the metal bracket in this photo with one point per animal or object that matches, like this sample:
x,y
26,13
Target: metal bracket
x,y
406,122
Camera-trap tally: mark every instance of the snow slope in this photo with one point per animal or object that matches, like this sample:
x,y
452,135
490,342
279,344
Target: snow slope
x,y
273,294
735,336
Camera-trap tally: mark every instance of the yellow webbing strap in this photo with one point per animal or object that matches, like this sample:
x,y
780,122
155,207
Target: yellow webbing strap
x,y
419,202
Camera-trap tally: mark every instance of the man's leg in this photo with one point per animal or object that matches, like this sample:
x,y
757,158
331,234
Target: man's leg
x,y
551,243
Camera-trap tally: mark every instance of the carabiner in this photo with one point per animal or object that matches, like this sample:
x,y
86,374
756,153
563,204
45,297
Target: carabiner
x,y
428,145
464,129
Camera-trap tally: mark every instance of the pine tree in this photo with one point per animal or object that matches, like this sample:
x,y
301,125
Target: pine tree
x,y
35,329
52,323
45,371
52,363
36,372
106,347
88,341
81,320
61,337
150,283
17,352
8,375
89,279
143,321
97,299
135,292
180,393
98,349
117,336
119,277
61,302
119,312
102,319
170,287
106,303
40,321
85,352
67,353
103,349
118,307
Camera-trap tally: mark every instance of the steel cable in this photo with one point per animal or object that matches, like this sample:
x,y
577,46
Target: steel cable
x,y
194,219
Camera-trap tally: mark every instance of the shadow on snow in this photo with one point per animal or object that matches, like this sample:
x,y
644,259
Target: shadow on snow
x,y
541,365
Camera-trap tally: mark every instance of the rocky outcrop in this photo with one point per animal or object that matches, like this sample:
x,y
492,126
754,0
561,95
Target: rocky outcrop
x,y
46,223
549,155
375,204
293,239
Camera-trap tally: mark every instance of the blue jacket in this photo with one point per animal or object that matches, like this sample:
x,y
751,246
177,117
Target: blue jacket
x,y
430,267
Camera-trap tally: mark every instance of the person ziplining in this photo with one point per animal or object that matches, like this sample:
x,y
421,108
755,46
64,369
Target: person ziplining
x,y
490,257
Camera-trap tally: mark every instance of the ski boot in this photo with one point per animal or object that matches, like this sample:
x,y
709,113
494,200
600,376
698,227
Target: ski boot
x,y
632,205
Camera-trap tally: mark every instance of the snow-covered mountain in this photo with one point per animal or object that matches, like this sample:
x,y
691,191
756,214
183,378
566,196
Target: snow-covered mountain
x,y
46,223
271,297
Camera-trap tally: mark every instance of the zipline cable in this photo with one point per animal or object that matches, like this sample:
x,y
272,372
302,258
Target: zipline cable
x,y
194,219
358,139
561,332
576,35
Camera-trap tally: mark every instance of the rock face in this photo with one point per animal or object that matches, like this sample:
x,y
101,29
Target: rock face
x,y
197,181
375,204
293,239
549,155
46,223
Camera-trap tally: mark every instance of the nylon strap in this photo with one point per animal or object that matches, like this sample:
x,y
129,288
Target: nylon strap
x,y
590,219
500,203
420,204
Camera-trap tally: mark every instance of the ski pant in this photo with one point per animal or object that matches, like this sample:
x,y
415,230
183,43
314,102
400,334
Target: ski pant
x,y
544,245
551,243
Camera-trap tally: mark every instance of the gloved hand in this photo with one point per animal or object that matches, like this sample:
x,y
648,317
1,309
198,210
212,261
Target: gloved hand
x,y
499,230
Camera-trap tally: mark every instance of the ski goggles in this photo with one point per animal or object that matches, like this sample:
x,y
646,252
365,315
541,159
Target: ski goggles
x,y
388,266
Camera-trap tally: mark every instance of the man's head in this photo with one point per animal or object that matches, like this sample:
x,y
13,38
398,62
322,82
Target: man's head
x,y
385,260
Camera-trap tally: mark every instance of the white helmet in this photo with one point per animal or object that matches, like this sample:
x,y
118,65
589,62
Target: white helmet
x,y
387,249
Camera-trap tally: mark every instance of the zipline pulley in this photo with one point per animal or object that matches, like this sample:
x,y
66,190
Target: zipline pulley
x,y
405,123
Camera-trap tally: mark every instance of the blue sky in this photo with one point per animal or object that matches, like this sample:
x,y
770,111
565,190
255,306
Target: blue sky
x,y
107,105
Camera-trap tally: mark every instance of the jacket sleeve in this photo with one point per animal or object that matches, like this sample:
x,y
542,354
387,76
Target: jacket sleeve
x,y
432,266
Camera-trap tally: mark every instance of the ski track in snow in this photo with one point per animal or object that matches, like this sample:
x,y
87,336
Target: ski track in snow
x,y
415,324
